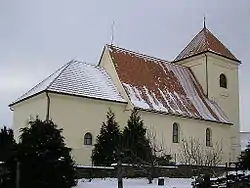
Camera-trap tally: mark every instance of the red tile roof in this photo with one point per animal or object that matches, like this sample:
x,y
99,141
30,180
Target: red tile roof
x,y
157,85
205,41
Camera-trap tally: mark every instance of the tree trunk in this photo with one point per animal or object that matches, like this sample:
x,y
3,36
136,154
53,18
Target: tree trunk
x,y
150,180
151,173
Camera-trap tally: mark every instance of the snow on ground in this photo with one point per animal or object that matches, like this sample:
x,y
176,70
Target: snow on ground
x,y
134,183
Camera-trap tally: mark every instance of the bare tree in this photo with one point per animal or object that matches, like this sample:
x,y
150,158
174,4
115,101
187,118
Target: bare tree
x,y
157,156
193,151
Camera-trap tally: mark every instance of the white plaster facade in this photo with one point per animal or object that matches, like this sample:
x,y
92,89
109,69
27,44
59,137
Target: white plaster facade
x,y
227,98
79,115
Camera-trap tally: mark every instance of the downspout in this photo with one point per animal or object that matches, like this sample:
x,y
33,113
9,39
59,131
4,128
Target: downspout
x,y
48,106
206,74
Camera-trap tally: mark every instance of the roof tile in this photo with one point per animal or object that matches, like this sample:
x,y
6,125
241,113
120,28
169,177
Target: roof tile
x,y
157,85
78,78
205,41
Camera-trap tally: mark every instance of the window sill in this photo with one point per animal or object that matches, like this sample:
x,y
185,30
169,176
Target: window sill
x,y
224,94
88,146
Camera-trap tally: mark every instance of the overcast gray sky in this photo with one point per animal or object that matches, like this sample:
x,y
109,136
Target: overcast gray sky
x,y
38,36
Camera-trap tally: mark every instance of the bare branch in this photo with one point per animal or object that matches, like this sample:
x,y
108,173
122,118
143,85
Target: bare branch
x,y
194,152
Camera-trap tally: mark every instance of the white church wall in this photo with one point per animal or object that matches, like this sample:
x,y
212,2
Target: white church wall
x,y
107,64
30,108
227,98
162,125
77,116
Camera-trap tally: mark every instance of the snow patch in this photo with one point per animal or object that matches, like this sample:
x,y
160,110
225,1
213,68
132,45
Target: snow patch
x,y
97,167
134,183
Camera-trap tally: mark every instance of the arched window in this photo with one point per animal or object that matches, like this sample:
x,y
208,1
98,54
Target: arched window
x,y
88,139
175,133
223,81
208,137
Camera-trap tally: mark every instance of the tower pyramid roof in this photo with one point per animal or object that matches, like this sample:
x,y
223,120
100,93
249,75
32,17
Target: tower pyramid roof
x,y
205,41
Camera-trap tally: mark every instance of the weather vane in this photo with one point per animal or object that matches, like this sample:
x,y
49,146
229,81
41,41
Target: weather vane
x,y
112,32
204,21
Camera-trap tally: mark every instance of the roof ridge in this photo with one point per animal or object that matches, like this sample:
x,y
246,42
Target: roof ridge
x,y
58,82
91,65
37,85
139,54
151,57
193,39
220,43
206,38
205,41
85,63
66,66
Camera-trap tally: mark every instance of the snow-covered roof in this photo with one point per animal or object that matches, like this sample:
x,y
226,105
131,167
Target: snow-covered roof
x,y
80,79
157,85
205,41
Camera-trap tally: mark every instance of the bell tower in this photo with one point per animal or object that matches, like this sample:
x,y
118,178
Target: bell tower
x,y
216,69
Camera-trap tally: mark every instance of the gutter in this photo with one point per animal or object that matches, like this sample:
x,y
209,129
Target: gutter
x,y
181,116
238,61
48,106
206,75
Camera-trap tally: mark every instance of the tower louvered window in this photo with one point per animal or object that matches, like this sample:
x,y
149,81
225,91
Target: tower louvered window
x,y
223,81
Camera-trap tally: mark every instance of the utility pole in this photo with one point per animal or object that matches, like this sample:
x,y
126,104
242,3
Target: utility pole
x,y
17,174
119,170
92,165
119,155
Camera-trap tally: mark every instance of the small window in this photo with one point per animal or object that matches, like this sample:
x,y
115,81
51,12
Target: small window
x,y
208,137
88,139
223,81
175,133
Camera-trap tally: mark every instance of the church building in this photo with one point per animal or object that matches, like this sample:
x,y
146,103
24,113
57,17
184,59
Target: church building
x,y
194,96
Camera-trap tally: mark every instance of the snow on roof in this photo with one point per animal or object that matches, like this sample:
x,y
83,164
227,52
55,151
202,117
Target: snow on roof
x,y
205,41
157,85
78,78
